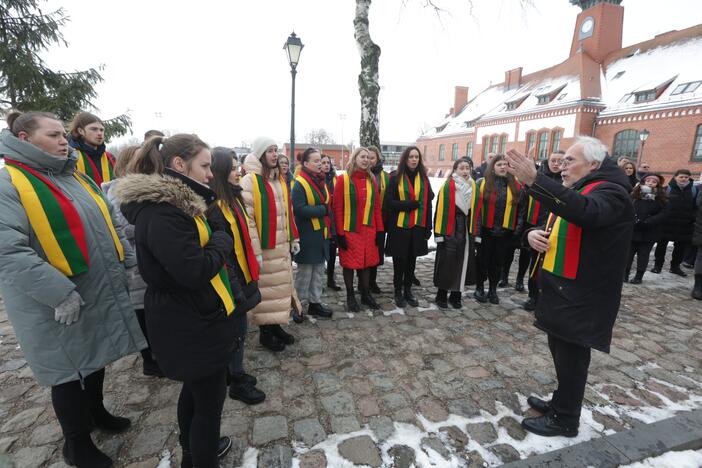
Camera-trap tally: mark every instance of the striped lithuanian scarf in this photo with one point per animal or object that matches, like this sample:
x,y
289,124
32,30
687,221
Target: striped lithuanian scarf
x,y
101,174
55,220
384,180
418,192
445,218
563,255
350,197
243,250
220,282
315,197
533,211
484,212
265,212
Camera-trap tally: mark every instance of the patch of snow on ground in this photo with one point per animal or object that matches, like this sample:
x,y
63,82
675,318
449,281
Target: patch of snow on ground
x,y
165,461
330,447
397,310
250,458
684,459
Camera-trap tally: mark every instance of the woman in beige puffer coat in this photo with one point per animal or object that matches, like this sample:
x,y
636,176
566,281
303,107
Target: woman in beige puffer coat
x,y
276,276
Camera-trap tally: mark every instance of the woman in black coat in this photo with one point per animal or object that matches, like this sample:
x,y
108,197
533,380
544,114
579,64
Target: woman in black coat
x,y
229,215
329,177
649,211
678,226
408,212
697,242
188,299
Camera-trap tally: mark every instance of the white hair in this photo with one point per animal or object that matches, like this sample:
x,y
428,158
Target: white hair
x,y
593,149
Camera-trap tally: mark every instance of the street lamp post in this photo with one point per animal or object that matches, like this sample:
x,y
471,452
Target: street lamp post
x,y
643,136
293,46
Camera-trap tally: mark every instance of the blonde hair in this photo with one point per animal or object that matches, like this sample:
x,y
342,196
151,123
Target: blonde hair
x,y
123,159
352,161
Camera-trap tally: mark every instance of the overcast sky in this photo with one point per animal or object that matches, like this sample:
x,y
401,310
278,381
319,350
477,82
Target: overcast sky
x,y
218,68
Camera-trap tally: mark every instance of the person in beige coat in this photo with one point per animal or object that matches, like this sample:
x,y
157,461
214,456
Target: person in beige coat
x,y
273,237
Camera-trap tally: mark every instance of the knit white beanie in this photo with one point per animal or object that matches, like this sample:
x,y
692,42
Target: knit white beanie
x,y
261,144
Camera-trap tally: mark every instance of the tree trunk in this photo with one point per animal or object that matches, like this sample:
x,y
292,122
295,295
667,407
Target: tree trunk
x,y
368,85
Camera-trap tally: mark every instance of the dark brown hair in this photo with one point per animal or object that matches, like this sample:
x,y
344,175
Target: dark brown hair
x,y
305,156
123,159
457,162
158,152
402,165
27,122
660,191
222,165
490,178
152,133
81,120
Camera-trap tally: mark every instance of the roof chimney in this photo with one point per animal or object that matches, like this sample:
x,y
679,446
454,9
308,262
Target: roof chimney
x,y
460,99
513,78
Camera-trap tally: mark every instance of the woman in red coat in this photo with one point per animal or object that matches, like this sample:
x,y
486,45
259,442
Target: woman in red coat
x,y
359,226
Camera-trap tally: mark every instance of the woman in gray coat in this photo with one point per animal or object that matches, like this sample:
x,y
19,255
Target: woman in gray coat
x,y
62,278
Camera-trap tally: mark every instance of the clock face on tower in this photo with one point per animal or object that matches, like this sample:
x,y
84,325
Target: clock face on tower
x,y
587,27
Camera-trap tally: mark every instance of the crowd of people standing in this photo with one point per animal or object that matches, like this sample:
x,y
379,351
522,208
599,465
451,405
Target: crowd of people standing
x,y
173,248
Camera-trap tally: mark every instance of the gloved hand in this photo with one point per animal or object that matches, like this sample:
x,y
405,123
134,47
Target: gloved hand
x,y
412,205
222,242
68,311
341,242
379,238
295,247
259,259
438,239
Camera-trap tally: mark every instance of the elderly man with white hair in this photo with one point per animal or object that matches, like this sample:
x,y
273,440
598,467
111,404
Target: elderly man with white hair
x,y
583,249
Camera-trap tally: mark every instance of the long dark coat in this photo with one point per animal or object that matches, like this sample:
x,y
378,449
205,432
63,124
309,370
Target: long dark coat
x,y
189,331
678,225
583,310
697,234
403,242
450,254
314,248
649,216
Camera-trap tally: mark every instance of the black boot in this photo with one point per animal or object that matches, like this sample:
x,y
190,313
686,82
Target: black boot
x,y
223,446
677,271
530,304
318,310
282,335
455,299
331,284
246,392
351,302
373,287
657,267
441,300
519,284
368,300
99,416
492,295
80,451
479,293
400,298
637,277
550,425
411,300
268,339
415,281
542,406
504,279
151,368
697,288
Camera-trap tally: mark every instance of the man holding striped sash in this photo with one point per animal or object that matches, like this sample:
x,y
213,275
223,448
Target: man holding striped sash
x,y
584,246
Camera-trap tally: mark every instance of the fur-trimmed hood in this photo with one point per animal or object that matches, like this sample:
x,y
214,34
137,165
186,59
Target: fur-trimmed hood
x,y
139,189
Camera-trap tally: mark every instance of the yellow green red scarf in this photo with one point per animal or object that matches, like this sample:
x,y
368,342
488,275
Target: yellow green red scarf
x,y
350,197
101,174
484,211
239,225
563,255
384,180
316,197
533,211
418,192
220,282
265,212
55,220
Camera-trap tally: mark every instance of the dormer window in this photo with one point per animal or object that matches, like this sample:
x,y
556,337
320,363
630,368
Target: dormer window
x,y
548,96
545,99
683,88
515,103
618,75
651,94
441,128
470,123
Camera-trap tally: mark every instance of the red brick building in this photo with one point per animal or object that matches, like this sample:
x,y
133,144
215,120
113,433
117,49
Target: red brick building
x,y
601,90
334,151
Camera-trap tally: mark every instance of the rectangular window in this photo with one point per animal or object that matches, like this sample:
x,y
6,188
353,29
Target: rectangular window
x,y
531,140
687,87
556,141
697,147
454,152
442,152
543,146
493,144
544,99
503,144
469,149
486,148
645,96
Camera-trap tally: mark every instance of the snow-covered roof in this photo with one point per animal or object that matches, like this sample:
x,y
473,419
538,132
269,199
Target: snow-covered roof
x,y
636,69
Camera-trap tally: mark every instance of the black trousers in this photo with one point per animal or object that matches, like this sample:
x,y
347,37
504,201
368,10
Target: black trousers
x,y
199,415
141,318
642,250
491,253
679,248
75,405
524,259
331,261
572,363
403,271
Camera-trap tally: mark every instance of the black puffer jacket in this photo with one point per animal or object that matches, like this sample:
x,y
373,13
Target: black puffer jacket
x,y
189,331
649,217
583,310
681,213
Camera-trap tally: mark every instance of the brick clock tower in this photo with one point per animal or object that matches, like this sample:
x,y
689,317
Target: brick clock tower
x,y
598,28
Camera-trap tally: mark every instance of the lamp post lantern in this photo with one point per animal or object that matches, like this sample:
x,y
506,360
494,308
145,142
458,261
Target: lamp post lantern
x,y
643,136
293,47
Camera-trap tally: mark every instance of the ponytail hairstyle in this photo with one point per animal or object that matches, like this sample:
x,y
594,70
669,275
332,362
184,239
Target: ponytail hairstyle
x,y
222,165
305,156
123,159
490,178
81,120
158,152
27,122
456,163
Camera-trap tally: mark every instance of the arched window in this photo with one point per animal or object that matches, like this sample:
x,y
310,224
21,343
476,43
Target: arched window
x,y
555,141
626,143
542,150
697,147
531,141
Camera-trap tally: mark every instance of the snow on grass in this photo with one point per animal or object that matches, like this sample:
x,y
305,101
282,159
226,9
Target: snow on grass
x,y
165,461
684,459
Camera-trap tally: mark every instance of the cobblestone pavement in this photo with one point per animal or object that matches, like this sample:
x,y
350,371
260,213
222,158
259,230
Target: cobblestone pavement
x,y
388,388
